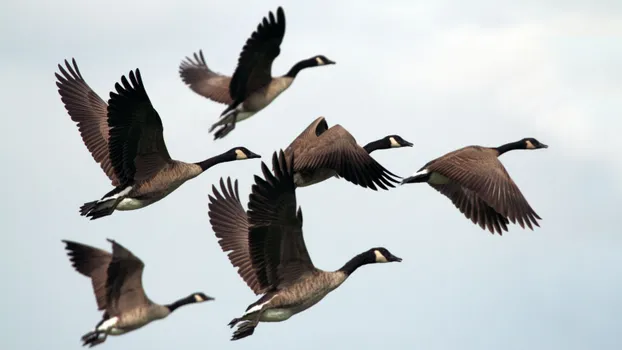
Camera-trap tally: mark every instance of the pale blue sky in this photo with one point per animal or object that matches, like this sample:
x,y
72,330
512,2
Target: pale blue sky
x,y
441,74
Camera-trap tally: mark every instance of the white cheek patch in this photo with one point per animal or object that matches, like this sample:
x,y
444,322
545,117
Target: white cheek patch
x,y
530,145
240,155
394,143
198,298
379,257
319,61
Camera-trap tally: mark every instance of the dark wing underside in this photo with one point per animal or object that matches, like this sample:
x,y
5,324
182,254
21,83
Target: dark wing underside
x,y
277,247
254,69
137,148
124,287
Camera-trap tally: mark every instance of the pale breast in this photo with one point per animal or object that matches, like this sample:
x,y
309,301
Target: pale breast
x,y
265,96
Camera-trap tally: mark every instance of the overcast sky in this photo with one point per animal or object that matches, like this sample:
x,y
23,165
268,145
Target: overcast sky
x,y
441,74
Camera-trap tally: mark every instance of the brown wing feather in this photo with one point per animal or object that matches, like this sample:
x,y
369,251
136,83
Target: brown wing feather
x,y
230,224
90,113
124,287
202,80
93,263
277,245
473,207
479,170
337,149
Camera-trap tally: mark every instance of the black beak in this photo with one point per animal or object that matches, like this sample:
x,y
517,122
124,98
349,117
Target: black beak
x,y
395,258
406,143
543,146
252,155
329,62
209,298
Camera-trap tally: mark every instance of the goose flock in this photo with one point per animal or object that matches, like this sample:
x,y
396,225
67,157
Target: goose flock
x,y
264,243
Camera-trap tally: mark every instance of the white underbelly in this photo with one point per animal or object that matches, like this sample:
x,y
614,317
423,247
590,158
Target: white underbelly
x,y
276,315
132,204
244,115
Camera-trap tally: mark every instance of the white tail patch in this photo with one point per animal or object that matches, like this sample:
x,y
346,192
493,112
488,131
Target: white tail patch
x,y
123,193
257,307
108,324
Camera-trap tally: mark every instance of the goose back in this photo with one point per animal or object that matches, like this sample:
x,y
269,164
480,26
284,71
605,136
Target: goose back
x,y
321,152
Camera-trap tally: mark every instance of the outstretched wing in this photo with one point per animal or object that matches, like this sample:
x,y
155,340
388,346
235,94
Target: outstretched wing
x,y
90,113
202,80
230,224
137,148
277,246
124,287
337,149
254,69
93,263
479,171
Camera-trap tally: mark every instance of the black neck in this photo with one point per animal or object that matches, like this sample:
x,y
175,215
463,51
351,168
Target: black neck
x,y
181,302
375,145
300,66
510,147
358,261
210,162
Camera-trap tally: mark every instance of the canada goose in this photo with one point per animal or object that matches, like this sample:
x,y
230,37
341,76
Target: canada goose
x,y
126,139
118,288
269,251
252,86
478,184
321,152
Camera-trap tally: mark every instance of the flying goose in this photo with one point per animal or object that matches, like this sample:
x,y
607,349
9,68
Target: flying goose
x,y
126,138
252,86
478,184
269,251
321,152
118,287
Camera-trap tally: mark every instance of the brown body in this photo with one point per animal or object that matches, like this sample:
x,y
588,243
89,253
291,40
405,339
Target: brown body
x,y
252,87
480,187
268,248
126,138
118,289
321,152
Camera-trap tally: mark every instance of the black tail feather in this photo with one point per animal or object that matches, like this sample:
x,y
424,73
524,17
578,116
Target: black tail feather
x,y
93,338
234,322
244,330
416,178
98,209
